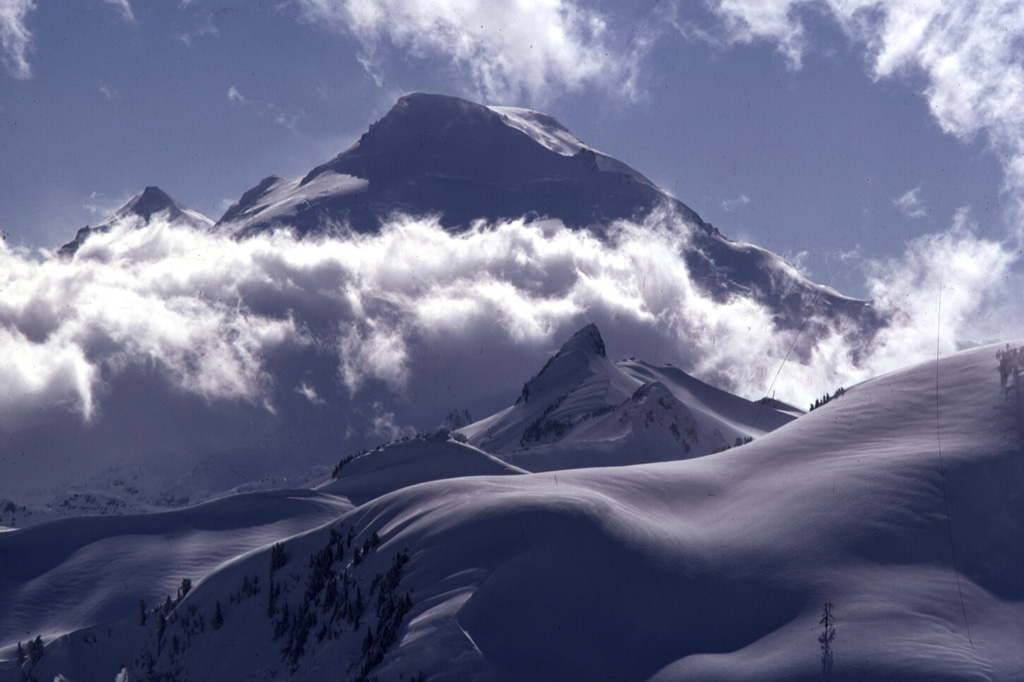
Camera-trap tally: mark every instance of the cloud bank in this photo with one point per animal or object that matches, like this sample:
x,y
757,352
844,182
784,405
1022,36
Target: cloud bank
x,y
210,314
15,38
511,51
970,55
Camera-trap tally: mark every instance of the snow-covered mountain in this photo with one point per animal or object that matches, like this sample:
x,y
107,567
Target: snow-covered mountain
x,y
141,210
466,162
895,508
583,409
435,154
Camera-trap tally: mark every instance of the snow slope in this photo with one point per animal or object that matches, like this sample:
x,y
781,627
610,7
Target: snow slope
x,y
66,574
279,202
583,409
713,568
370,475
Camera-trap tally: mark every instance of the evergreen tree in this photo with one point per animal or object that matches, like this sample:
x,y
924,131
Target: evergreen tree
x,y
186,585
218,618
21,655
142,612
828,634
277,557
35,649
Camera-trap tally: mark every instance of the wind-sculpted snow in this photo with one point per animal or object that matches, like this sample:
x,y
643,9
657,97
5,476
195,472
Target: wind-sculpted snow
x,y
897,504
73,573
171,347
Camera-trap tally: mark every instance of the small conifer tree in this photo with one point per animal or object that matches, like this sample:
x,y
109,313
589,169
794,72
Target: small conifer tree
x,y
828,634
35,649
218,618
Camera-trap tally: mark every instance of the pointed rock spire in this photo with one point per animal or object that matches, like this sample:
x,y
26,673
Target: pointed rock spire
x,y
144,205
587,340
565,366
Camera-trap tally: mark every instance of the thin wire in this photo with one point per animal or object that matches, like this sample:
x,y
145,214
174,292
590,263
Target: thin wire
x,y
761,403
942,469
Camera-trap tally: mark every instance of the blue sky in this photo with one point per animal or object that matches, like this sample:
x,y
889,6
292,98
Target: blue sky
x,y
831,133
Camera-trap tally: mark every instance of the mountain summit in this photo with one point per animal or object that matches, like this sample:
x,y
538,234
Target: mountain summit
x,y
587,340
151,200
462,161
142,207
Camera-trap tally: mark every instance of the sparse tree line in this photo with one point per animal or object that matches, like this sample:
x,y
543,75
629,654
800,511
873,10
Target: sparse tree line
x,y
27,660
336,602
542,426
174,631
827,398
740,441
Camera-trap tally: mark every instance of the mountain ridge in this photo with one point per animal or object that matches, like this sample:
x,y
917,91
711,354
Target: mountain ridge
x,y
142,207
463,163
582,409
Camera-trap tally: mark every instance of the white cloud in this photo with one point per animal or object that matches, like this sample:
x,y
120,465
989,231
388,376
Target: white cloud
x,y
15,38
735,203
385,425
372,348
938,291
750,20
235,97
309,393
124,7
414,306
301,347
508,49
969,52
910,203
206,29
109,93
102,206
125,301
286,119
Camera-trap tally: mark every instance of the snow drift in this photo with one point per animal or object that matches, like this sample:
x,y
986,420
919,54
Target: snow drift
x,y
897,503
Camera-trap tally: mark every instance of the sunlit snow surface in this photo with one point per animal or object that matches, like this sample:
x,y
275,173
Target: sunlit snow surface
x,y
542,128
714,568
